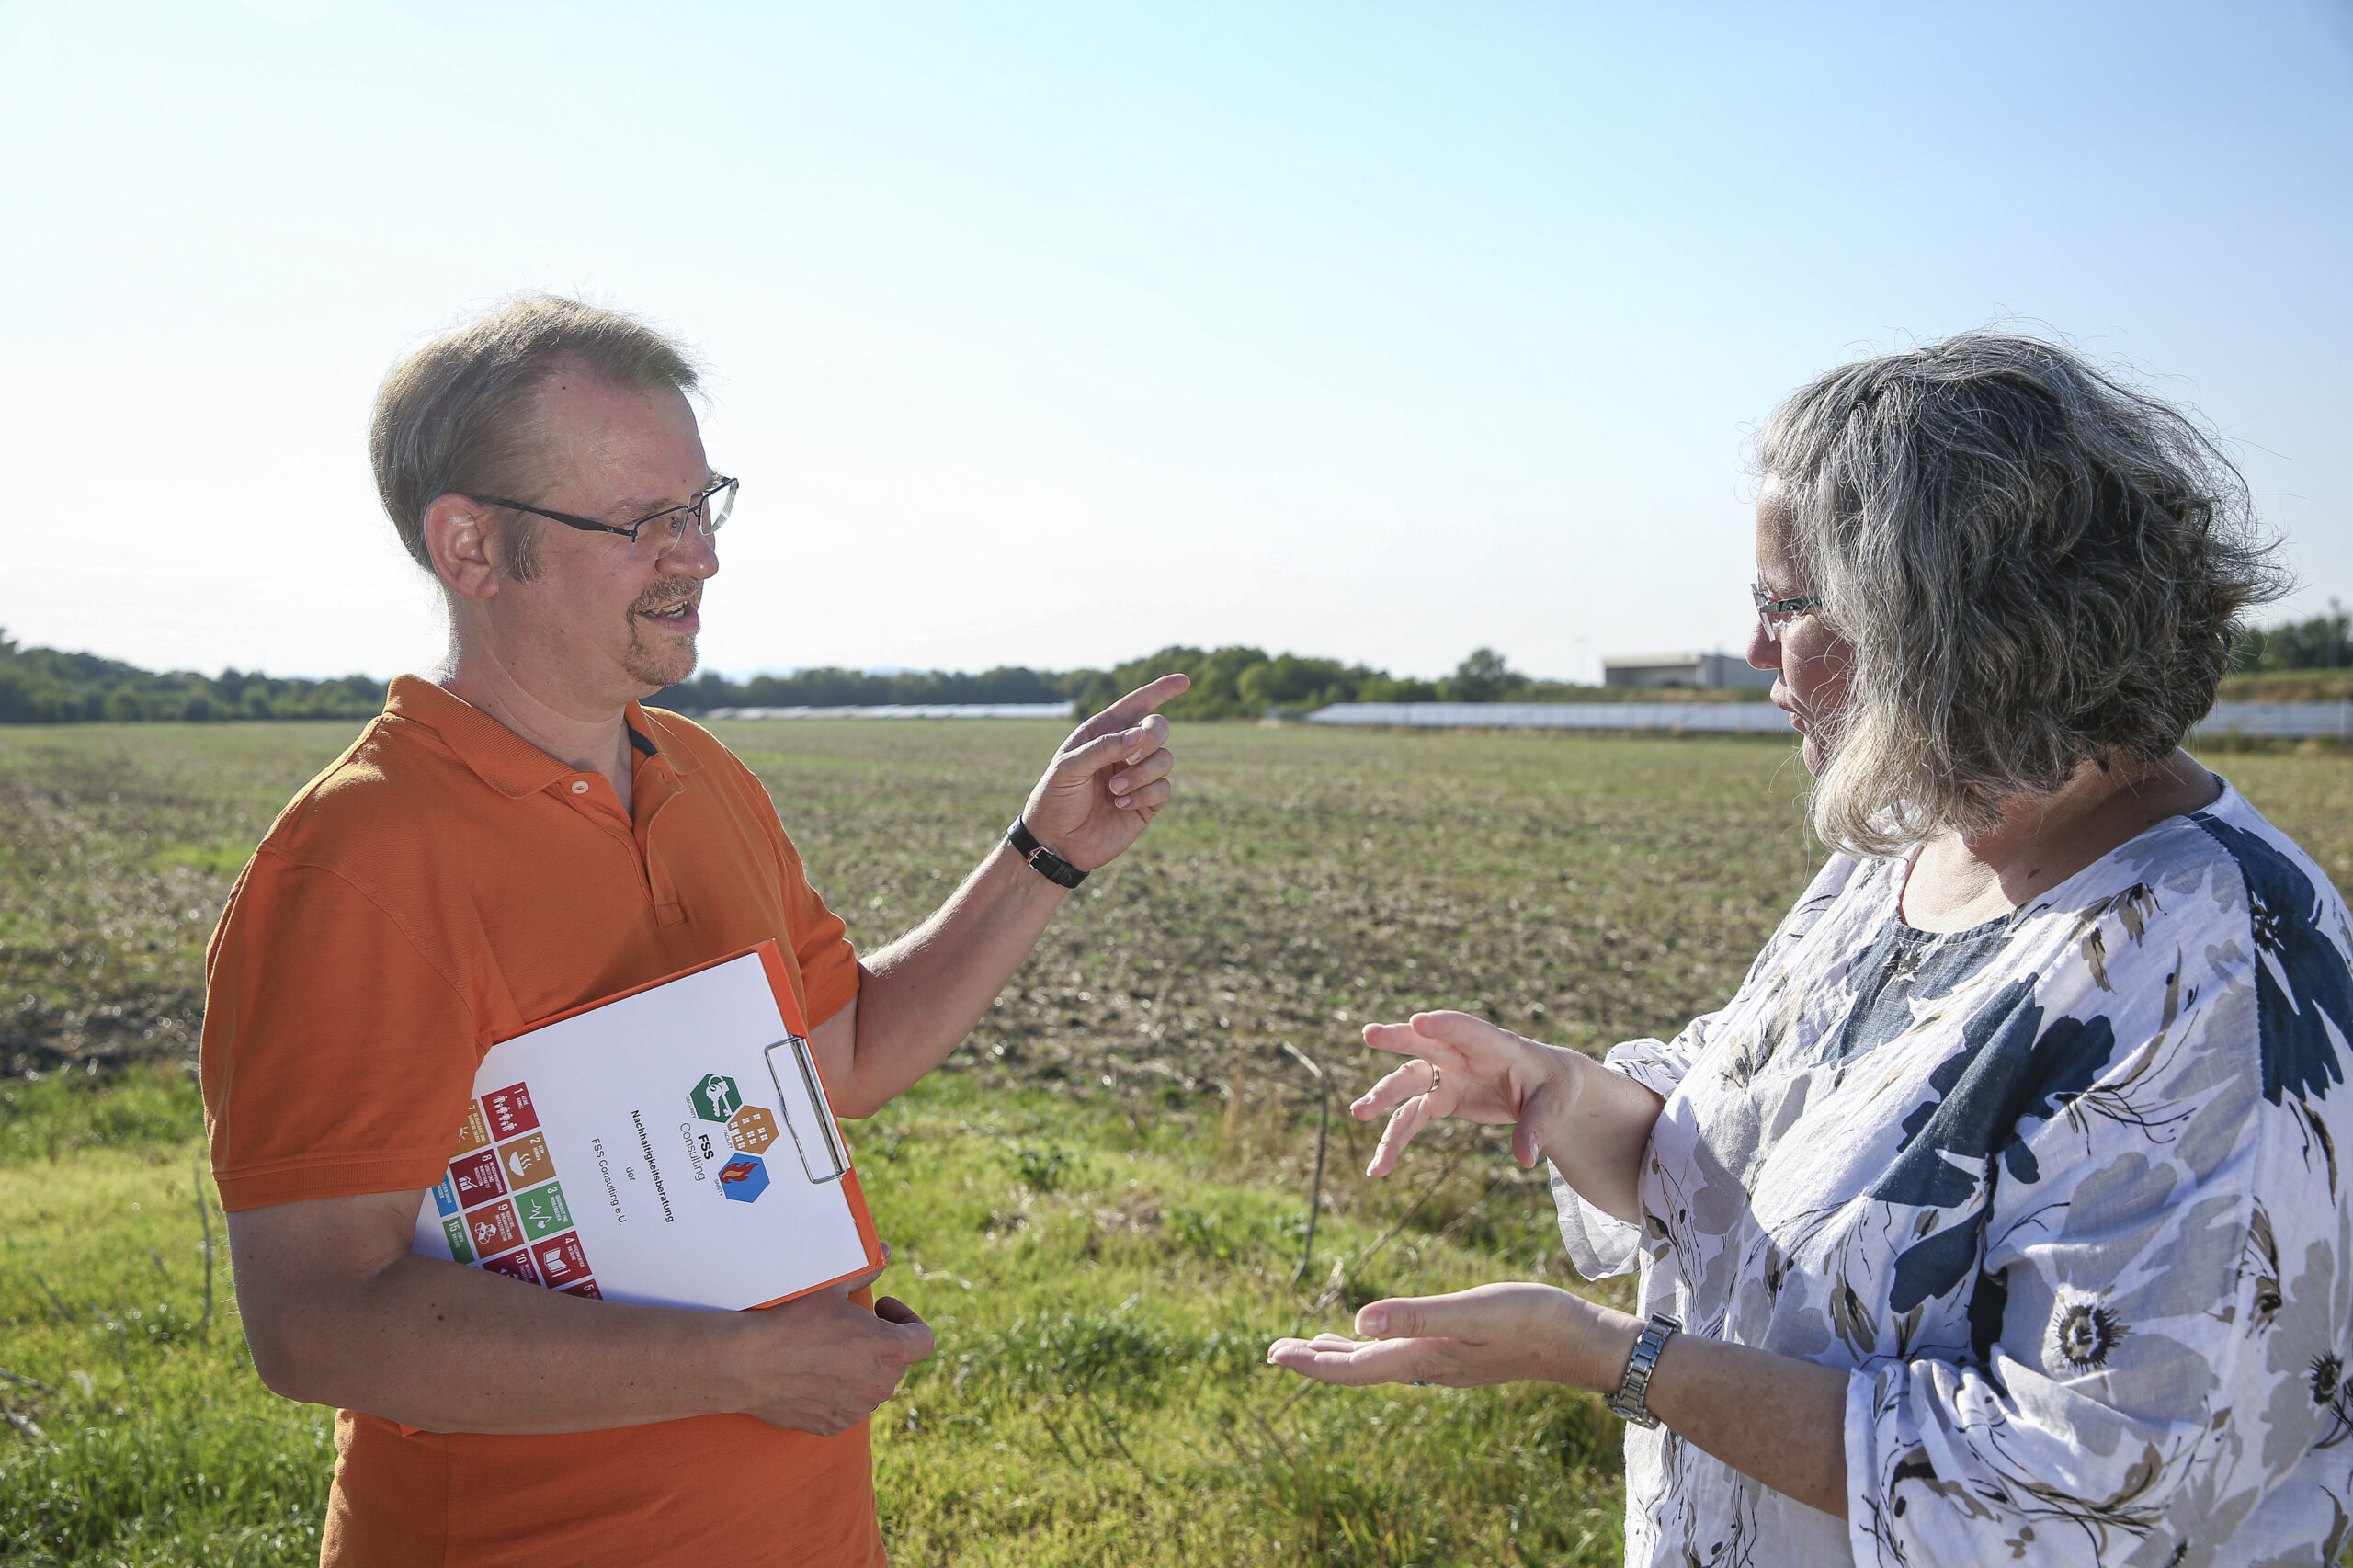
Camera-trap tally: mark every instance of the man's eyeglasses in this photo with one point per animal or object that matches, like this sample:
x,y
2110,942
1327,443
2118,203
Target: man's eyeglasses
x,y
652,537
1772,613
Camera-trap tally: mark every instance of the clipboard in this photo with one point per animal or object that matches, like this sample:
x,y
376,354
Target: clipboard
x,y
801,1092
672,1145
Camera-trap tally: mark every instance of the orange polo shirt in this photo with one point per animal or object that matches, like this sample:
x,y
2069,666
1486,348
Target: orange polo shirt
x,y
442,885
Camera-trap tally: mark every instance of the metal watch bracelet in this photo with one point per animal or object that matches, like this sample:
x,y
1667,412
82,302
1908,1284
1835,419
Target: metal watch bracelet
x,y
1042,860
1629,1402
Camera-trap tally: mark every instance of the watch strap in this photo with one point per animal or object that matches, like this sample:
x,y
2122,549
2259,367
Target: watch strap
x,y
1042,860
1629,1402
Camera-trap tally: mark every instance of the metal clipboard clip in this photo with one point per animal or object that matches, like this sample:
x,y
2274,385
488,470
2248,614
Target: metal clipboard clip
x,y
807,1116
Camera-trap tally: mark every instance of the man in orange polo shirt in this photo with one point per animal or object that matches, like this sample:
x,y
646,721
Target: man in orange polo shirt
x,y
511,839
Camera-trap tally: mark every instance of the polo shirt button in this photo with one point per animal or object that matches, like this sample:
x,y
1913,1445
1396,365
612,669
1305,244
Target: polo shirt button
x,y
580,785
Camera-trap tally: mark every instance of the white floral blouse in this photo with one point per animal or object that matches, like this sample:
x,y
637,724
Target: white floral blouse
x,y
2062,1195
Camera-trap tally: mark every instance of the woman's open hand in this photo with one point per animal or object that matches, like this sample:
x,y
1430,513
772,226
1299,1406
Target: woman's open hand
x,y
1494,1334
1467,1068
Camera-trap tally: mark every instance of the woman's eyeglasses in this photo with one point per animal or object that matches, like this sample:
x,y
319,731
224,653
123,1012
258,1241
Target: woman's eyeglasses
x,y
1772,613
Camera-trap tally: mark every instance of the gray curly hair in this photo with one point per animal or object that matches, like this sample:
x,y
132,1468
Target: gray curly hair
x,y
2035,565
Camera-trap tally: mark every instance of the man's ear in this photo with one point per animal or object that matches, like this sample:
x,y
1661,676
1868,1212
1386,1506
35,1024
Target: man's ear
x,y
464,540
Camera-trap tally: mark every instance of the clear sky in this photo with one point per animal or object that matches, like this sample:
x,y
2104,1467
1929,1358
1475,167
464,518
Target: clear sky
x,y
1050,335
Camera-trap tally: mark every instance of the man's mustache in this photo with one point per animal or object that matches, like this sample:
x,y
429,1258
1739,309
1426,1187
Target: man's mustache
x,y
650,602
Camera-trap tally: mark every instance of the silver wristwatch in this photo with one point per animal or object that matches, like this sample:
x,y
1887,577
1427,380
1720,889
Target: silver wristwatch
x,y
1627,1403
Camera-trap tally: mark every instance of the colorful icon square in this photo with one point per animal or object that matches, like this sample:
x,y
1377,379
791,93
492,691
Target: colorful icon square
x,y
751,1130
495,1229
525,1161
715,1098
544,1210
509,1111
460,1248
586,1288
445,1196
562,1259
475,1133
743,1178
517,1264
475,1179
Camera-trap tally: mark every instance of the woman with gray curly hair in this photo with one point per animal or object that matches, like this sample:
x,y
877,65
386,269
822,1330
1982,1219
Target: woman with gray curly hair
x,y
1998,1215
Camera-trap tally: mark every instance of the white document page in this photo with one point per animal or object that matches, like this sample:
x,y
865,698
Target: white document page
x,y
655,1149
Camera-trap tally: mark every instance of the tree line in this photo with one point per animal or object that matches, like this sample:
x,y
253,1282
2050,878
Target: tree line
x,y
2322,642
1245,683
42,686
1228,683
832,688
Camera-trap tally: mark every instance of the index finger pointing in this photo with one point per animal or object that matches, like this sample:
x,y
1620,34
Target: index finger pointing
x,y
1402,1039
1135,705
1462,1030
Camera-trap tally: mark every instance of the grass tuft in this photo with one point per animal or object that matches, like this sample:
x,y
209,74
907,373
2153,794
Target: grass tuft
x,y
146,1110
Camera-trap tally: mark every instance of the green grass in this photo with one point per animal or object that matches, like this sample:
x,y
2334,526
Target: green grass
x,y
140,1433
1103,1297
1100,1204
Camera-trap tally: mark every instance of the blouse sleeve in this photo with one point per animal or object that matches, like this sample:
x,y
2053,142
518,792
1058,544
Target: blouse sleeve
x,y
2160,1313
1600,1245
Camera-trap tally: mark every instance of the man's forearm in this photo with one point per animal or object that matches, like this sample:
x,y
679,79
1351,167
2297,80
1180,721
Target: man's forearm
x,y
429,1344
922,994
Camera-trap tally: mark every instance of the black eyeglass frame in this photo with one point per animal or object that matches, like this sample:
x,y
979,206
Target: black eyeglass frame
x,y
701,502
1771,613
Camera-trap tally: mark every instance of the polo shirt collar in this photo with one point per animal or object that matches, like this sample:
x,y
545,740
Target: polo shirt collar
x,y
673,753
503,759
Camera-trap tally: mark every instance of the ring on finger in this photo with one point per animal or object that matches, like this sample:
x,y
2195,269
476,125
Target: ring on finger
x,y
1434,1075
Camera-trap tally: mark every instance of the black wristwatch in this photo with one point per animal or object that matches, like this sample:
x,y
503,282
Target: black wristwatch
x,y
1044,861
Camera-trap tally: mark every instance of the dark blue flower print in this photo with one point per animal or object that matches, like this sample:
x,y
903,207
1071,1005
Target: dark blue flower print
x,y
2300,979
1905,970
1987,1303
1930,1269
2009,1071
